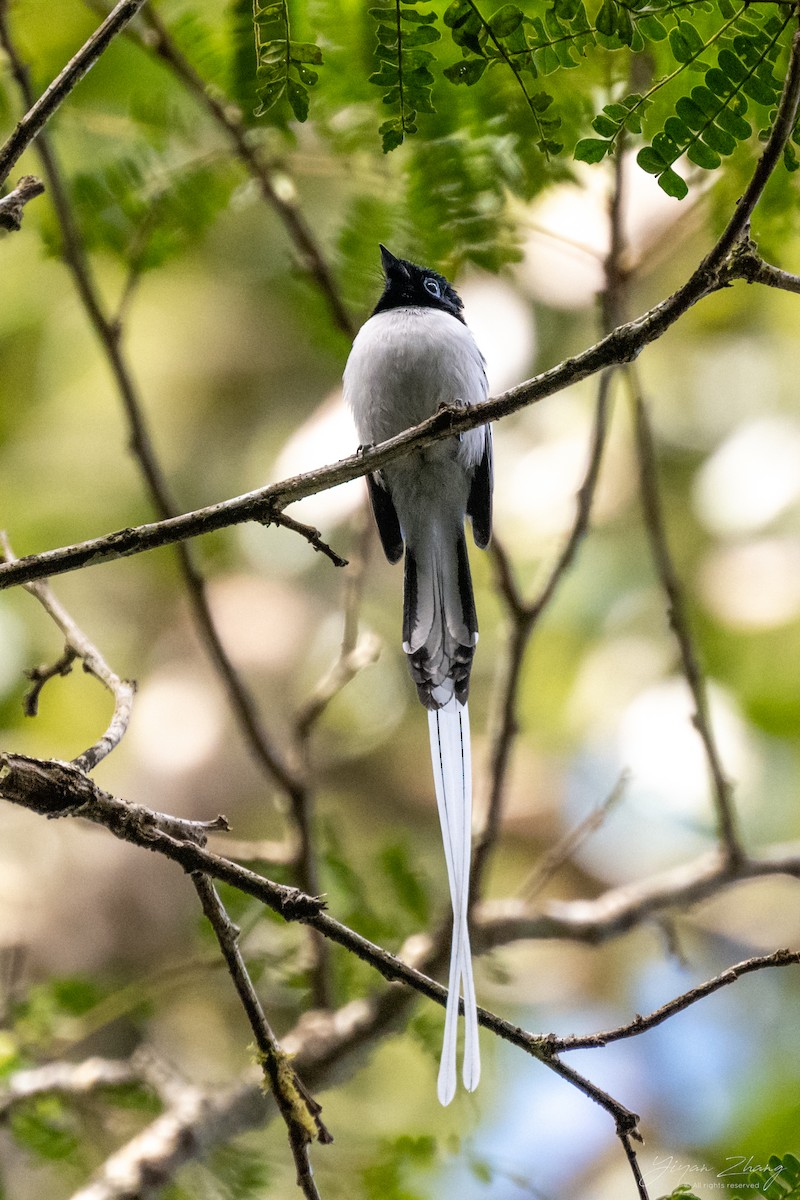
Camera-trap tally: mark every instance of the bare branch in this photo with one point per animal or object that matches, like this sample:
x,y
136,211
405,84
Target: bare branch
x,y
65,1079
679,620
79,646
39,676
299,1110
564,849
12,205
42,110
746,263
780,958
522,615
59,789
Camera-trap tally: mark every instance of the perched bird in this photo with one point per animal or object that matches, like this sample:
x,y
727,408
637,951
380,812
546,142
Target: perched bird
x,y
414,355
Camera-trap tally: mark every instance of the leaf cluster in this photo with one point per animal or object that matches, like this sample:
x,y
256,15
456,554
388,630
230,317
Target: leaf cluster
x,y
779,1180
284,66
403,65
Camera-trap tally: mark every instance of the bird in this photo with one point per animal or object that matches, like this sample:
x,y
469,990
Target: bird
x,y
414,355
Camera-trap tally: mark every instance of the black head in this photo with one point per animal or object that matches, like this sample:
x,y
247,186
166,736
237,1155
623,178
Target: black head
x,y
410,286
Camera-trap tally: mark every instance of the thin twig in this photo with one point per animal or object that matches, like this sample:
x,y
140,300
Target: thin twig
x,y
65,1079
334,1044
12,205
522,615
42,109
746,263
299,1110
39,676
79,646
780,958
564,849
355,652
679,620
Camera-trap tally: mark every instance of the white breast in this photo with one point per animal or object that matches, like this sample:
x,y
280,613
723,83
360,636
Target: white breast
x,y
404,365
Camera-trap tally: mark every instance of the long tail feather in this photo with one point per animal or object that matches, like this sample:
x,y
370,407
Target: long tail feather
x,y
452,776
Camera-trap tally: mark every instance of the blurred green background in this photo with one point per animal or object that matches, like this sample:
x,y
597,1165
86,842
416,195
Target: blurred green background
x,y
239,366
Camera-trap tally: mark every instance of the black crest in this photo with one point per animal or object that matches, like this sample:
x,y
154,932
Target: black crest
x,y
410,286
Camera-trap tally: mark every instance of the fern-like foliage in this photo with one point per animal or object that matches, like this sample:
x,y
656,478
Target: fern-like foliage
x,y
283,65
502,40
145,209
737,48
779,1180
708,124
403,74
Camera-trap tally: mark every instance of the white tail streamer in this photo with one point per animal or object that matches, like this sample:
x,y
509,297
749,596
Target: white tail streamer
x,y
452,776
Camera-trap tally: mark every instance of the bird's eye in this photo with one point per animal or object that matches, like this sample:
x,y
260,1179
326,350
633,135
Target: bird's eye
x,y
432,286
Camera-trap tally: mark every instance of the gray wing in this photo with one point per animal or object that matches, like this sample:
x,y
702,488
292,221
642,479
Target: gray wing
x,y
479,501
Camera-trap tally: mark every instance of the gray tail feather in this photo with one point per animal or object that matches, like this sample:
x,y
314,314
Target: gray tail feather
x,y
440,627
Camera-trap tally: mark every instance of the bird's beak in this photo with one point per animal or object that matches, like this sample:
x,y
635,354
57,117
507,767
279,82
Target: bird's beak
x,y
390,264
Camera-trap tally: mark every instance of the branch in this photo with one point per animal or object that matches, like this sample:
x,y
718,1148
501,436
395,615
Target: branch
x,y
622,345
679,620
78,646
522,616
299,1110
13,203
65,1079
42,110
59,789
39,676
620,909
780,958
746,263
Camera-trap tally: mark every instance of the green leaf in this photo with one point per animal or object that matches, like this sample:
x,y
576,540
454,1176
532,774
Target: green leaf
x,y
605,126
391,138
651,28
758,90
719,139
298,99
405,882
457,13
505,21
607,18
671,183
422,35
417,18
675,129
468,71
689,113
42,1127
703,156
681,50
592,150
651,161
624,26
734,124
691,37
386,77
305,52
733,69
